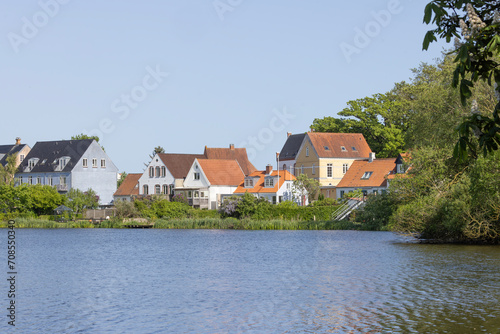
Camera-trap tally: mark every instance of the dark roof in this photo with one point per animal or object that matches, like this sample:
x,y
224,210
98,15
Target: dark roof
x,y
231,153
292,146
9,150
48,153
179,164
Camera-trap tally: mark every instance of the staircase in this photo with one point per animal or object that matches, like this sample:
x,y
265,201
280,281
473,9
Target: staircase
x,y
345,210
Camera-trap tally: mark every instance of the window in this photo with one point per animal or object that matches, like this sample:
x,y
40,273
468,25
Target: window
x,y
248,183
307,151
151,171
197,176
284,166
190,194
30,179
329,170
375,192
288,186
157,169
32,162
295,169
366,175
85,163
327,148
20,180
274,199
62,180
145,189
39,180
94,163
172,189
163,171
49,180
202,194
196,194
342,193
343,149
21,157
345,167
302,169
157,189
165,189
314,169
353,148
103,163
269,182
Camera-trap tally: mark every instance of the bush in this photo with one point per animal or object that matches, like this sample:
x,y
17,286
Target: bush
x,y
374,216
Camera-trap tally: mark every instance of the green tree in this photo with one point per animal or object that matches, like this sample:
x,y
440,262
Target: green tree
x,y
382,119
8,171
477,51
78,200
84,136
121,179
305,186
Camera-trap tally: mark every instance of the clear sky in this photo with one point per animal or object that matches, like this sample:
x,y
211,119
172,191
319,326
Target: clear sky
x,y
188,73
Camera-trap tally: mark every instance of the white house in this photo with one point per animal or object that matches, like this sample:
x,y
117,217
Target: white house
x,y
208,180
275,186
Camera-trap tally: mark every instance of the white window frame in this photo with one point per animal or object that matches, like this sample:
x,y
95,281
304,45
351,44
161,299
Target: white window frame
x,y
329,171
94,162
196,175
85,163
103,163
151,171
345,168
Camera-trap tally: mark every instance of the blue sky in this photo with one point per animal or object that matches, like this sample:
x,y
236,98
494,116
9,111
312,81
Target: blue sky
x,y
188,73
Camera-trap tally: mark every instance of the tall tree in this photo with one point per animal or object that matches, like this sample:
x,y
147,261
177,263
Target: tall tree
x,y
8,171
382,119
477,49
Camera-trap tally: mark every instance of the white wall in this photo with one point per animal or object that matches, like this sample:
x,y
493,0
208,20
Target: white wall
x,y
153,181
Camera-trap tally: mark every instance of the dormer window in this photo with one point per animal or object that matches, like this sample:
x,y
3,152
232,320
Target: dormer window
x,y
248,183
327,148
269,182
354,148
32,162
343,149
366,175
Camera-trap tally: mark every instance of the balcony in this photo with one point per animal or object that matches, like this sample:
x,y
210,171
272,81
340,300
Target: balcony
x,y
201,203
62,187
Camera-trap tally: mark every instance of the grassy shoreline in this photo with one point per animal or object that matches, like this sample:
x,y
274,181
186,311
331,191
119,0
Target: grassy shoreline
x,y
193,223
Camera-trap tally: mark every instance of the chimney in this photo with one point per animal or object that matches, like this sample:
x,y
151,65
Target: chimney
x,y
269,169
18,141
231,146
371,157
288,134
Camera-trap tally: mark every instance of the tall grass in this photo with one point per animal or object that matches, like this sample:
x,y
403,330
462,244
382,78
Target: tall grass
x,y
245,224
44,223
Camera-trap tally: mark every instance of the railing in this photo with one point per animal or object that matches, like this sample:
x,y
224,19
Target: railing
x,y
62,187
345,210
201,202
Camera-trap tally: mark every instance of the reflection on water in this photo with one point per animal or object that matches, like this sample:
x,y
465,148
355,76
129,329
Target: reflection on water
x,y
198,281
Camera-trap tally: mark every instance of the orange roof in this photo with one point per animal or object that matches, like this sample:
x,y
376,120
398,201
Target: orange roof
x,y
179,164
284,175
379,167
222,172
231,153
128,186
329,145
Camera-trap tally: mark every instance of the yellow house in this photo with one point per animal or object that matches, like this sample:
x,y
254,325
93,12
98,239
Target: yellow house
x,y
327,157
19,150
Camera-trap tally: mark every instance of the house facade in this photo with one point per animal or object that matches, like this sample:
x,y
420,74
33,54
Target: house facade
x,y
327,157
287,159
210,179
67,164
274,186
18,149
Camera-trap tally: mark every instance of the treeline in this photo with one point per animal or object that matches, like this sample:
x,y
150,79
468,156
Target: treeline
x,y
441,197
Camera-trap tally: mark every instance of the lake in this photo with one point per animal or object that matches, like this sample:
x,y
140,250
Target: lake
x,y
226,281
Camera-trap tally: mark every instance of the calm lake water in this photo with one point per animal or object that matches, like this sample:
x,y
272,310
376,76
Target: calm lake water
x,y
213,281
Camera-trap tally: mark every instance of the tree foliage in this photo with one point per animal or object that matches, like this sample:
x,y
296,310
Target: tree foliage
x,y
78,200
36,199
8,171
476,28
305,186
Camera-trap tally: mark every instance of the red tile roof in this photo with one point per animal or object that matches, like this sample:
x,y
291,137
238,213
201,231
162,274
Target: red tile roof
x,y
179,164
222,172
284,175
329,145
128,186
380,168
239,154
